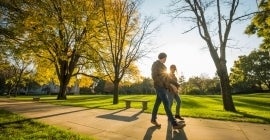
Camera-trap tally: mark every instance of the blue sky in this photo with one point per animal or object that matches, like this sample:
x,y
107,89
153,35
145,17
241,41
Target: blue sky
x,y
188,51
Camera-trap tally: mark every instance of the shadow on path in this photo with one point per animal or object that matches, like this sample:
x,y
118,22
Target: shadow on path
x,y
171,134
118,117
149,132
41,117
175,134
179,135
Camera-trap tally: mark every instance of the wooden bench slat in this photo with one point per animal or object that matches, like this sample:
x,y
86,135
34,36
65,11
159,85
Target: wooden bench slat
x,y
144,102
36,98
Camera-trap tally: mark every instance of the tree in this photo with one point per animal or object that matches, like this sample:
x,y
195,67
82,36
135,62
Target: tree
x,y
201,85
260,24
21,69
5,73
124,36
252,71
142,86
198,83
17,61
61,32
11,13
202,14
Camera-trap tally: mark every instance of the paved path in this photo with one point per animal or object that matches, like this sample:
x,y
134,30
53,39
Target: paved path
x,y
132,124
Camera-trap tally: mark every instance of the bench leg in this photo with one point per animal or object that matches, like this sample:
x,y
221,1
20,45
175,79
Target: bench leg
x,y
144,105
127,104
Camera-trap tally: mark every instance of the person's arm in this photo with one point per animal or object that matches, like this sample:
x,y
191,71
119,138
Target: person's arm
x,y
173,80
154,71
157,74
173,88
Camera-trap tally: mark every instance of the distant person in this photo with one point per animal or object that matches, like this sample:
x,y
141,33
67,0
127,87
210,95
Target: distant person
x,y
174,93
162,82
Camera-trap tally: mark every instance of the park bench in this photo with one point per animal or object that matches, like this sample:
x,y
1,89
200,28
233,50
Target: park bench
x,y
144,103
36,98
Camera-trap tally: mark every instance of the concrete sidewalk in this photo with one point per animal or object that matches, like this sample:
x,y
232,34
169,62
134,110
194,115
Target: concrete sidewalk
x,y
132,124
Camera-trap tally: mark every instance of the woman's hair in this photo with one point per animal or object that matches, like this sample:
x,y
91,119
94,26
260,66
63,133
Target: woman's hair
x,y
172,67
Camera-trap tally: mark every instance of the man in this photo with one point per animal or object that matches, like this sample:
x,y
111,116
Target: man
x,y
162,82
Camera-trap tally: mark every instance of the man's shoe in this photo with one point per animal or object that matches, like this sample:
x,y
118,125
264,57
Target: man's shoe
x,y
156,123
179,126
179,117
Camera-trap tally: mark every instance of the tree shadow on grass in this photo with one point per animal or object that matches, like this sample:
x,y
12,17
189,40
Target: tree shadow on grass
x,y
192,103
264,119
253,104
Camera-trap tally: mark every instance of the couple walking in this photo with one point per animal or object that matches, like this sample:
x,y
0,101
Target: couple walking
x,y
166,86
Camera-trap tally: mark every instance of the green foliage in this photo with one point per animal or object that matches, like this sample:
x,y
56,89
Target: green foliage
x,y
260,24
201,85
100,86
146,86
62,32
16,127
11,15
195,85
5,73
252,72
17,59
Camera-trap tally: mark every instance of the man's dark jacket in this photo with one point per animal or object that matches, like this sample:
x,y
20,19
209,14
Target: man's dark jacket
x,y
160,76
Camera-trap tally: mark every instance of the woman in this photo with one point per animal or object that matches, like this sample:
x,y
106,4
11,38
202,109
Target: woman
x,y
173,93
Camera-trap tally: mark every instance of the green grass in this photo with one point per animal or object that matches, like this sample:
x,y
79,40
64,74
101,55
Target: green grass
x,y
13,127
250,107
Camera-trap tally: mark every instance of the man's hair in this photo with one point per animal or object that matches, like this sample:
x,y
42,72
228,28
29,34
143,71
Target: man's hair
x,y
162,55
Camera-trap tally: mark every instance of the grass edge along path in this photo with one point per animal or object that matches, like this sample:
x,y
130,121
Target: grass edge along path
x,y
253,108
14,126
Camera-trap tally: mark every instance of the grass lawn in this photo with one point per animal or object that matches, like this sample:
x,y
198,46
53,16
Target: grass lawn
x,y
250,107
14,127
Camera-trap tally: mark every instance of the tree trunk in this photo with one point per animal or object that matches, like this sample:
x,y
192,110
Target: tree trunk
x,y
228,104
64,75
222,72
115,92
62,92
64,78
